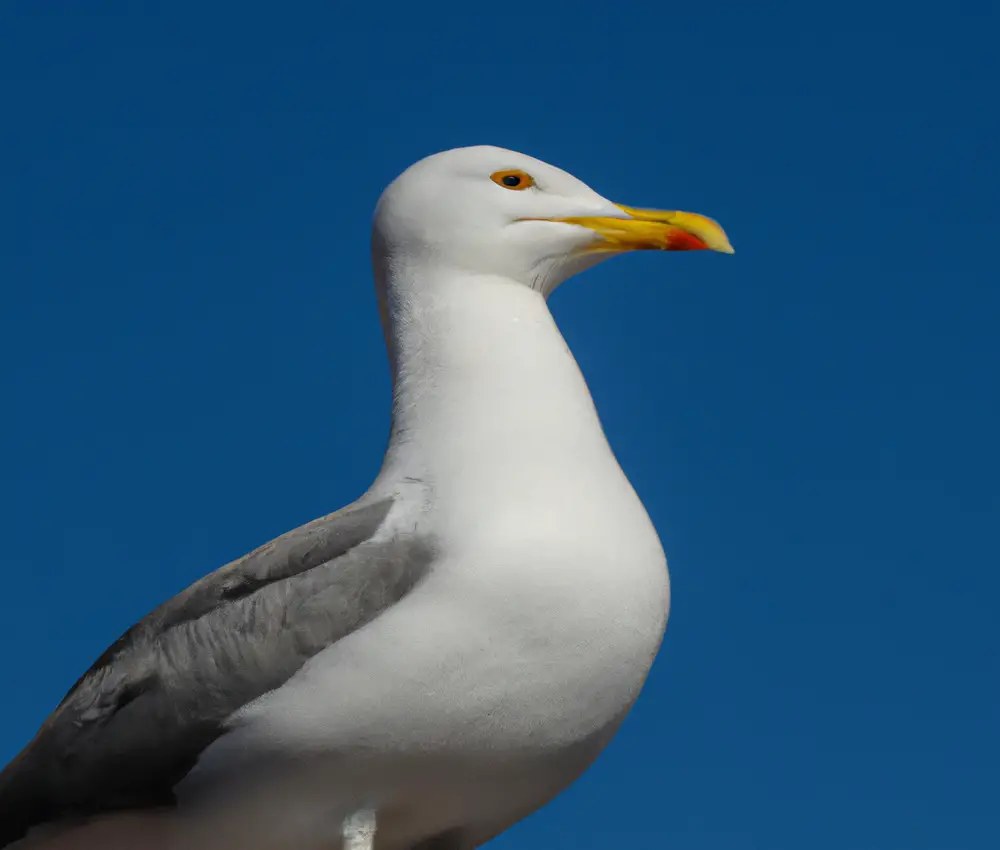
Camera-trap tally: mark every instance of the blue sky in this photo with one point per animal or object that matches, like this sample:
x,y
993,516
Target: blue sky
x,y
192,363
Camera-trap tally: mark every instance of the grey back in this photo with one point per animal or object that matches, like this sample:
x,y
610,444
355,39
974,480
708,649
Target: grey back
x,y
138,719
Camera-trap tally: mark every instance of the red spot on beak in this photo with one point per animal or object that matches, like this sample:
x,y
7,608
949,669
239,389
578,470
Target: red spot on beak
x,y
681,240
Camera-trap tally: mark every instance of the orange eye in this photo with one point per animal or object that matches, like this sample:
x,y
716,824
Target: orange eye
x,y
513,179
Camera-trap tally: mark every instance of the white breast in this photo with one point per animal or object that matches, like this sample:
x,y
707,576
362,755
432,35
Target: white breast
x,y
537,626
545,610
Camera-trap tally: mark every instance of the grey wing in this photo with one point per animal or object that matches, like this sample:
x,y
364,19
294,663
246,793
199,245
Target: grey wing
x,y
137,721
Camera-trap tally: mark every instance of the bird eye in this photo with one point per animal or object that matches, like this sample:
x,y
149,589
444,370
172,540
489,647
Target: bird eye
x,y
514,179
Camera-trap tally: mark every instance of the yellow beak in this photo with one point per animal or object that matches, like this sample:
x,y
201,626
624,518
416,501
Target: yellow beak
x,y
655,229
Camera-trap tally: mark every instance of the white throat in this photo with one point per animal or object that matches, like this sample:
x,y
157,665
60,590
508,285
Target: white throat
x,y
482,380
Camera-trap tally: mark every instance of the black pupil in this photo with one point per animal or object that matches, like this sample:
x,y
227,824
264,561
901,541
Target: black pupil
x,y
511,180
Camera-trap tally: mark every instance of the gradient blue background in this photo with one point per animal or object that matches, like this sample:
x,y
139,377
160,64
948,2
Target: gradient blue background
x,y
192,364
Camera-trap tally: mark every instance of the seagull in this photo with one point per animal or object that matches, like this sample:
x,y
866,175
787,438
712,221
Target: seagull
x,y
432,663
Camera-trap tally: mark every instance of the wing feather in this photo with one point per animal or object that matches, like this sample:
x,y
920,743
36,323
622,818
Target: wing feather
x,y
138,719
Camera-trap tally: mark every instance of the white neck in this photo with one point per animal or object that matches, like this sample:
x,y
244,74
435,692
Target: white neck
x,y
482,380
497,451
